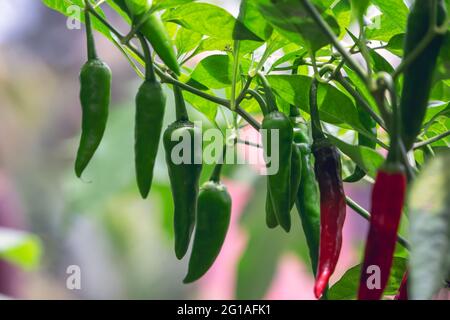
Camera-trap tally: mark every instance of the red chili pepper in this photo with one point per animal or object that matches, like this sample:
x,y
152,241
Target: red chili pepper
x,y
332,213
387,202
403,290
327,167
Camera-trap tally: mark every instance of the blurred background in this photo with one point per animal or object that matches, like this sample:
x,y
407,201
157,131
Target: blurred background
x,y
123,245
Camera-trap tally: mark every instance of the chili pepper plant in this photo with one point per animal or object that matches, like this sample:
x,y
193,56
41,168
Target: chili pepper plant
x,y
350,91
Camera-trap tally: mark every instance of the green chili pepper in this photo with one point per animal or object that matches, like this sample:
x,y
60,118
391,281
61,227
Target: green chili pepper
x,y
213,219
308,195
153,29
418,76
150,108
276,125
184,173
95,93
296,174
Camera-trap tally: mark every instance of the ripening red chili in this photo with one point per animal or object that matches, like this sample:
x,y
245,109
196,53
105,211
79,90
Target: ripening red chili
x,y
327,167
332,213
388,196
403,290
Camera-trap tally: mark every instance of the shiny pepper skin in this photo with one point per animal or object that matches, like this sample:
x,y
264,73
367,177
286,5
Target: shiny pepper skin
x,y
279,183
332,212
418,76
387,202
213,219
184,180
95,95
150,109
296,175
308,195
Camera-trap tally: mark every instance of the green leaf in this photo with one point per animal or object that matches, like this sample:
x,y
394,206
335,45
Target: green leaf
x,y
346,288
187,40
208,108
209,20
380,63
64,7
251,17
392,22
396,43
215,71
20,248
335,107
166,4
366,158
292,21
215,44
429,201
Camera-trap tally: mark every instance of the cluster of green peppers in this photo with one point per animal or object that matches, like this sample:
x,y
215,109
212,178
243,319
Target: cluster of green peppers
x,y
212,206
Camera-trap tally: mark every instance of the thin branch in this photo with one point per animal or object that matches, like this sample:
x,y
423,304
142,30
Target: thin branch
x,y
431,140
249,143
366,215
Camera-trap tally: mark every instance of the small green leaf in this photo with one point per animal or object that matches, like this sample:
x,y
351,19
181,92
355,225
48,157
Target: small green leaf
x,y
346,288
209,20
166,4
392,21
429,201
215,71
366,158
187,40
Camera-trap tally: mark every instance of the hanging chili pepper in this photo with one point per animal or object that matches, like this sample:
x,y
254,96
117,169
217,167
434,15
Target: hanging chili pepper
x,y
332,198
276,125
387,202
296,175
308,195
95,93
418,76
184,173
388,196
213,219
403,290
150,108
153,29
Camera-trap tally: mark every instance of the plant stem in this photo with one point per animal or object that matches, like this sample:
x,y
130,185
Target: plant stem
x,y
149,69
331,36
366,215
92,54
262,104
247,84
431,140
270,98
249,143
215,176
